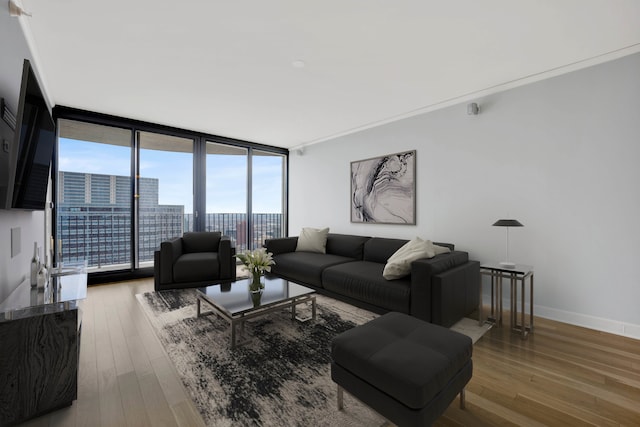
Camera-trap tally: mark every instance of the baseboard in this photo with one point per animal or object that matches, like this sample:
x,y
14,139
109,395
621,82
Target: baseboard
x,y
592,322
616,327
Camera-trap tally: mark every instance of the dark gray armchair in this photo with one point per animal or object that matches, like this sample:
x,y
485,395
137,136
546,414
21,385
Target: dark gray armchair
x,y
193,260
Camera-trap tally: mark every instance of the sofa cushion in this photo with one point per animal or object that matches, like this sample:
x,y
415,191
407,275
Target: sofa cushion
x,y
362,280
346,245
196,267
281,245
305,267
201,241
399,264
379,249
312,240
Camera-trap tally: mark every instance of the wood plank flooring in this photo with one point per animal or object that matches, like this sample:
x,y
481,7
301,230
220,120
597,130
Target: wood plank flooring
x,y
125,377
562,375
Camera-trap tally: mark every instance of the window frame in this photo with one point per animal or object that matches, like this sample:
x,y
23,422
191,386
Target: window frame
x,y
200,140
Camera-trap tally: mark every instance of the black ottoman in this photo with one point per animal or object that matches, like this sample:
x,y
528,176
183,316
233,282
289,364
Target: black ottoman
x,y
406,369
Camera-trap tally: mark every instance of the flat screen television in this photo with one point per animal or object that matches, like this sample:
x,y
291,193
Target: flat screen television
x,y
34,139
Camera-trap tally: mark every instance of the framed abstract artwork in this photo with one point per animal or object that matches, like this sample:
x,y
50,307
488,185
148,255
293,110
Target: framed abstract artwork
x,y
383,189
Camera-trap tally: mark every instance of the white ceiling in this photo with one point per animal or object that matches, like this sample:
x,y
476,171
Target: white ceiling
x,y
226,67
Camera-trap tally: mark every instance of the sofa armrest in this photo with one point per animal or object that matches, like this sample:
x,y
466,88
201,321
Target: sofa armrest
x,y
455,293
226,258
420,304
170,250
156,270
281,245
422,273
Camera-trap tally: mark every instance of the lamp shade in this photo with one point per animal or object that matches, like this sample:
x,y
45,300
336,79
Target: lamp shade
x,y
507,223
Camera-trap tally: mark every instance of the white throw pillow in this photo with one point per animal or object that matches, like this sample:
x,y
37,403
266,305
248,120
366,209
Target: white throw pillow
x,y
313,240
440,249
399,264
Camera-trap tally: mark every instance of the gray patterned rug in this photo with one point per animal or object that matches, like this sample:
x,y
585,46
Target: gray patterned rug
x,y
280,377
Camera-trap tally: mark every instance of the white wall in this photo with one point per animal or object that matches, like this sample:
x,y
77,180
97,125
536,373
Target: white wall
x,y
560,155
13,50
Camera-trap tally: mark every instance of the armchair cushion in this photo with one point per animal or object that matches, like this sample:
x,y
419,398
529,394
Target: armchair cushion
x,y
196,266
201,242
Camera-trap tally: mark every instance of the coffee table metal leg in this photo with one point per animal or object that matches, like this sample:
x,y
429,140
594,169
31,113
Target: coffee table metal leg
x,y
198,307
300,301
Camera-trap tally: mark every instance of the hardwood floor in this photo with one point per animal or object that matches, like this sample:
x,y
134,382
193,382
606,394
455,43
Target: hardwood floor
x,y
562,375
125,377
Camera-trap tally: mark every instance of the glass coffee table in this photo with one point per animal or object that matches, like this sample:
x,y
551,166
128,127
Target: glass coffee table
x,y
236,304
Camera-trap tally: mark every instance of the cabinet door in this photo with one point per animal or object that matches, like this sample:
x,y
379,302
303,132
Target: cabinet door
x,y
38,365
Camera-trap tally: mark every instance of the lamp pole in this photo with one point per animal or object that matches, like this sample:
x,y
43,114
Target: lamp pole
x,y
507,223
507,258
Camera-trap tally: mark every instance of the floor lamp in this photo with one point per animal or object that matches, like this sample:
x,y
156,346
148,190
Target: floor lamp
x,y
507,223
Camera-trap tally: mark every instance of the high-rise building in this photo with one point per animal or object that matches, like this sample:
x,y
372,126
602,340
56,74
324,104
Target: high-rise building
x,y
94,220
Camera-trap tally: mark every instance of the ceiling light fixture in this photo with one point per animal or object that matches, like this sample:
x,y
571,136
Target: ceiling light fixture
x,y
15,10
298,63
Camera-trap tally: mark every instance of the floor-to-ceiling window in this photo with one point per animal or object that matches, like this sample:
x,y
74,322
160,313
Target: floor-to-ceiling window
x,y
226,192
245,191
164,191
93,209
267,196
122,187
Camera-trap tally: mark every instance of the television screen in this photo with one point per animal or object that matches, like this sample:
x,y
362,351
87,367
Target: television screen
x,y
34,138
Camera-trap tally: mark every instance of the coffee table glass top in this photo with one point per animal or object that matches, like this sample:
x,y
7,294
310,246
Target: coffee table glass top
x,y
234,298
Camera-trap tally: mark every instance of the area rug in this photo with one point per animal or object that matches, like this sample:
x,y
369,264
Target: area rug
x,y
281,376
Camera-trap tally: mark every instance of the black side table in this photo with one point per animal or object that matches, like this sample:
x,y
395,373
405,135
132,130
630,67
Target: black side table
x,y
516,275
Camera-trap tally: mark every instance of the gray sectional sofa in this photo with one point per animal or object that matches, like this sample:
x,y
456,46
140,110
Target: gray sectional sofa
x,y
440,290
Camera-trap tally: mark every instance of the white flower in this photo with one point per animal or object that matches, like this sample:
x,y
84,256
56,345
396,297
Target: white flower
x,y
258,260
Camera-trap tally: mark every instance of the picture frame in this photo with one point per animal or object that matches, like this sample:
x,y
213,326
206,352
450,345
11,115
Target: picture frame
x,y
383,189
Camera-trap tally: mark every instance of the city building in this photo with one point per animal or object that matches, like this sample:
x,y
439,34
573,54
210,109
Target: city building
x,y
94,219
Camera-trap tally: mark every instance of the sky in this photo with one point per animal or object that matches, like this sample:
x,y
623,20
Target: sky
x,y
226,175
